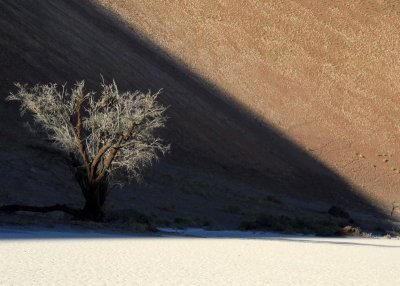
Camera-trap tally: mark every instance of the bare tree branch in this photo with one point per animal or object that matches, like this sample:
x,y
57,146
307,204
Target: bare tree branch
x,y
110,134
78,132
99,155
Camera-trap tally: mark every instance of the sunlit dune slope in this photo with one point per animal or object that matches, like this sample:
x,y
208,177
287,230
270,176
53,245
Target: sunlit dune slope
x,y
325,73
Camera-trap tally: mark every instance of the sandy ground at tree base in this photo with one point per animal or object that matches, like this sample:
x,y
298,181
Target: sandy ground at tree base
x,y
106,259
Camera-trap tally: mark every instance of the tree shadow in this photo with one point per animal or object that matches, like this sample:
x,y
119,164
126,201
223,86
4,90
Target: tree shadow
x,y
210,133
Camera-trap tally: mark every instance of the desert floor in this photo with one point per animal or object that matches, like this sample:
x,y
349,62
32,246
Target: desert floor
x,y
65,257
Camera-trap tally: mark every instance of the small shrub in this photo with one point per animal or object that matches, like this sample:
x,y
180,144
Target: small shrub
x,y
351,230
366,235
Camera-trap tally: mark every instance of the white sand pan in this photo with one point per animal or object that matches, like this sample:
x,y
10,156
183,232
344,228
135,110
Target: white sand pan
x,y
68,257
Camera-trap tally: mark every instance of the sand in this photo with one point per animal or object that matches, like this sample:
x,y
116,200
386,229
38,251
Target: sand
x,y
324,73
104,259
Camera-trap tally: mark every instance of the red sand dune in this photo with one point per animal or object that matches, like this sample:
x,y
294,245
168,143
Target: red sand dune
x,y
296,98
325,73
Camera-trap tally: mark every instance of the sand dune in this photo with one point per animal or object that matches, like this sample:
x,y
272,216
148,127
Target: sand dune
x,y
292,100
324,73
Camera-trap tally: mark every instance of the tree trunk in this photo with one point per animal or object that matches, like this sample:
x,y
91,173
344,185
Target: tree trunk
x,y
95,195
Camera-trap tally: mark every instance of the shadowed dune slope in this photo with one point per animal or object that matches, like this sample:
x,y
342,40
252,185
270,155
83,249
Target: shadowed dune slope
x,y
246,99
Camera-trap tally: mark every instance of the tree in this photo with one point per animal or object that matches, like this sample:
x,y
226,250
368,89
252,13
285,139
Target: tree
x,y
109,137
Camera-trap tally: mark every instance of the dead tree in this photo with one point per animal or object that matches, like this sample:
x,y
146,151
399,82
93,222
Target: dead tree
x,y
110,136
